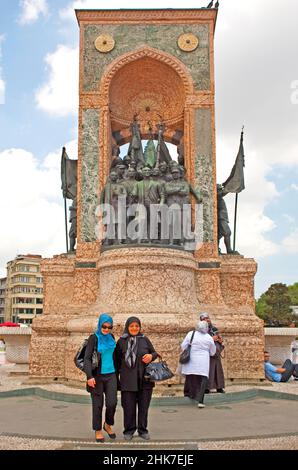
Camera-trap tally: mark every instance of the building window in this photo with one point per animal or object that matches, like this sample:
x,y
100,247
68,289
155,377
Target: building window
x,y
24,300
25,311
39,311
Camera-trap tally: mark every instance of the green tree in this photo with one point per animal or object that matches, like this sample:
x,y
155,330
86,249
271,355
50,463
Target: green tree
x,y
274,306
261,306
293,293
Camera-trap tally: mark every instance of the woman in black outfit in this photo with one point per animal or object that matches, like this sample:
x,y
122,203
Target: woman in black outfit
x,y
134,351
102,380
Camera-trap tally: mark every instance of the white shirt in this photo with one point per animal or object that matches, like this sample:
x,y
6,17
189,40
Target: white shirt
x,y
294,347
202,348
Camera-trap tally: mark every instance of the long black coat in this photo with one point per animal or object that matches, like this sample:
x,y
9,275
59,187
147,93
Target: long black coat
x,y
132,379
92,342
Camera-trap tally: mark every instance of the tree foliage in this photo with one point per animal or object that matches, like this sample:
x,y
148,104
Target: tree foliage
x,y
293,293
274,305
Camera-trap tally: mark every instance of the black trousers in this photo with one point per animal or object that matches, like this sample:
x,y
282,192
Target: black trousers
x,y
195,386
105,385
130,401
291,369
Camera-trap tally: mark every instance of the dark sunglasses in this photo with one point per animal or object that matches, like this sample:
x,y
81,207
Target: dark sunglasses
x,y
105,327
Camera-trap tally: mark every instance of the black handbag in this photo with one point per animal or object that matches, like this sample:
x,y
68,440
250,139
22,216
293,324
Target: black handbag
x,y
80,355
158,371
185,355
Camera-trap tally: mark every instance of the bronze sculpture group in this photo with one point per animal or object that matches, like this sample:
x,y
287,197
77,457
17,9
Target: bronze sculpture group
x,y
139,190
145,183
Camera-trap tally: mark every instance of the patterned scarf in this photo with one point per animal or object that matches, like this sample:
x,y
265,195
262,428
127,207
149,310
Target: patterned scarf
x,y
132,343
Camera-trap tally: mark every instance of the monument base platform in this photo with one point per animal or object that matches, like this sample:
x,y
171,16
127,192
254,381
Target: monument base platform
x,y
165,288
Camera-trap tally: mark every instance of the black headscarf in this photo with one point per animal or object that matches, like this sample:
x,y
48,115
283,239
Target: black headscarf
x,y
131,349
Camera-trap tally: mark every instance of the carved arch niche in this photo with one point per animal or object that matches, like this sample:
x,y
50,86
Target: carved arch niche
x,y
150,83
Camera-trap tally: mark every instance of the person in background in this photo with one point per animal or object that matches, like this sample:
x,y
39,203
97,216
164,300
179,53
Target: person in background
x,y
197,369
2,345
102,381
216,373
279,374
294,349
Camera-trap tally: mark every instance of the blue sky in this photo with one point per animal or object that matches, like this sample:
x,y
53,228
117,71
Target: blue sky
x,y
256,85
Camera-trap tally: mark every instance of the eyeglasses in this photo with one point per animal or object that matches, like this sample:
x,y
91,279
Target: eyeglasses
x,y
106,327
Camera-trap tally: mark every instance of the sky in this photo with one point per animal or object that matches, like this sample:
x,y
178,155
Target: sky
x,y
256,70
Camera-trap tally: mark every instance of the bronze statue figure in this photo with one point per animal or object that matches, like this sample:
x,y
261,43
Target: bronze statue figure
x,y
135,150
110,195
69,190
73,227
224,230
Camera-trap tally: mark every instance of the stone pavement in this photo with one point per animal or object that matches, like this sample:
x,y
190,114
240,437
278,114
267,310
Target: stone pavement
x,y
244,418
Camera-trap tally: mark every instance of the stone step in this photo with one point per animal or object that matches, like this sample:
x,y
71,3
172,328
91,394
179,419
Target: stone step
x,y
137,445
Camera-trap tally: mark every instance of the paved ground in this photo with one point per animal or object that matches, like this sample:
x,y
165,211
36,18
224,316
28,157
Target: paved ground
x,y
38,423
35,418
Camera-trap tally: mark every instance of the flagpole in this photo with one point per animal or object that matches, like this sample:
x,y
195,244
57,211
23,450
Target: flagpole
x,y
236,204
66,227
235,221
64,189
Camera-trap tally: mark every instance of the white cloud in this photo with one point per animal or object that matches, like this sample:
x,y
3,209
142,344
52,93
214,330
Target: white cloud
x,y
59,95
68,13
31,204
31,10
289,218
294,186
290,243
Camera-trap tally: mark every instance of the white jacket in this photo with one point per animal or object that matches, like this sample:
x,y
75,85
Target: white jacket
x,y
202,348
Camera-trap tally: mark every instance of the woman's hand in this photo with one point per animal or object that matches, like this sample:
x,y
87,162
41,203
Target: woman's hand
x,y
91,383
147,358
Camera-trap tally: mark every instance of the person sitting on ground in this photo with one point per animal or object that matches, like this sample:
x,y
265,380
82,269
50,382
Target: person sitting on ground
x,y
279,374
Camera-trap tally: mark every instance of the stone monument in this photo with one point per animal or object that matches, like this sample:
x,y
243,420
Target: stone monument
x,y
146,75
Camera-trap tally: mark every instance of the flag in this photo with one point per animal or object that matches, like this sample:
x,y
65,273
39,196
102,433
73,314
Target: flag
x,y
235,182
164,152
150,154
68,176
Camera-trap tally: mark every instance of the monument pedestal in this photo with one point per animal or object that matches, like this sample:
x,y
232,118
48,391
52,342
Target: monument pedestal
x,y
166,289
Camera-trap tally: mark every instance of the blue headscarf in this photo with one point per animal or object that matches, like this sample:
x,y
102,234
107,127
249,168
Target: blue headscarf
x,y
104,341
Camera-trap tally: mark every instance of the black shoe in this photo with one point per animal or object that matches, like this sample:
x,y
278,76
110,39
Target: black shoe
x,y
207,390
128,437
111,436
220,390
145,436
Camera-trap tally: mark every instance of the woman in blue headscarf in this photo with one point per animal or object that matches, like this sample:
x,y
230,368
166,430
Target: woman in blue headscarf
x,y
102,380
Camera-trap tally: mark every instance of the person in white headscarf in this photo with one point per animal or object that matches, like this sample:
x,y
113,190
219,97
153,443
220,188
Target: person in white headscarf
x,y
197,369
216,373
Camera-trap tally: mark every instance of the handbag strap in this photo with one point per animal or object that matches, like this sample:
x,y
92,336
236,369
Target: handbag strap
x,y
193,333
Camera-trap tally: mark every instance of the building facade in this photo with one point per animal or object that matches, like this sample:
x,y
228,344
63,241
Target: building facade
x,y
24,289
2,298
